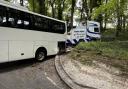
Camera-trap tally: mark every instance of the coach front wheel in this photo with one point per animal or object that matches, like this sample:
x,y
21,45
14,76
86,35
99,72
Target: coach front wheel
x,y
40,55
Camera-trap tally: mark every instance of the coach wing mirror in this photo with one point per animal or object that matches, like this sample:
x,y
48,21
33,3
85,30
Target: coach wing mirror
x,y
74,26
68,33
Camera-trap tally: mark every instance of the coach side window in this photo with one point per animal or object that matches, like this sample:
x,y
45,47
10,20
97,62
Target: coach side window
x,y
40,24
45,26
62,28
58,27
11,17
26,20
20,21
52,26
31,22
1,20
37,23
2,16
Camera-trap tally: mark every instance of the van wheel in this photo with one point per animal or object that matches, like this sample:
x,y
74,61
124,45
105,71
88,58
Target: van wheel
x,y
40,55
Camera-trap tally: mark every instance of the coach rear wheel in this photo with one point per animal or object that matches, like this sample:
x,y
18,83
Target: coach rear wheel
x,y
40,55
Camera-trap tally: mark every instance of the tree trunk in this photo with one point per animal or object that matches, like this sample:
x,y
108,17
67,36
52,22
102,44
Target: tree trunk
x,y
105,22
60,9
72,12
105,18
118,26
124,21
118,11
53,11
33,5
85,9
42,7
52,3
100,17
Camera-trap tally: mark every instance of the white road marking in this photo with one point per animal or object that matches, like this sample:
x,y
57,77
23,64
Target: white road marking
x,y
45,73
51,80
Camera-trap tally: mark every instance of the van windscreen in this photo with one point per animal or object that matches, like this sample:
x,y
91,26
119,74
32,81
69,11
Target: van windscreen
x,y
96,29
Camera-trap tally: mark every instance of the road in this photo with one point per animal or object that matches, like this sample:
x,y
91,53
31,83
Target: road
x,y
28,74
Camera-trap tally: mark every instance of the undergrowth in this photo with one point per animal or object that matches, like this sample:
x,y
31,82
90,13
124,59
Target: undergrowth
x,y
111,53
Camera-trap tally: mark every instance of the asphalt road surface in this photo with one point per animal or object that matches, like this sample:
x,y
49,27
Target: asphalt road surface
x,y
28,74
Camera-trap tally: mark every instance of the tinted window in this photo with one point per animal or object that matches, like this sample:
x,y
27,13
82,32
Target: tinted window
x,y
11,17
3,18
45,23
58,27
18,19
96,29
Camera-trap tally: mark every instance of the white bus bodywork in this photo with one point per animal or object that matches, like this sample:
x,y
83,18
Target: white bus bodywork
x,y
17,44
23,44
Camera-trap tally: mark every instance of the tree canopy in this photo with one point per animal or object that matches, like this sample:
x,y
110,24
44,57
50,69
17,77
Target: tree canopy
x,y
103,11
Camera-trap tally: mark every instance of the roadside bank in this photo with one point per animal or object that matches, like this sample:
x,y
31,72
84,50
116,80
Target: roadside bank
x,y
79,76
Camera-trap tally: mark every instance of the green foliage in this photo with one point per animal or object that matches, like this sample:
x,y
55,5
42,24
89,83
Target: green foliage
x,y
108,8
123,36
34,5
113,54
113,11
115,49
109,35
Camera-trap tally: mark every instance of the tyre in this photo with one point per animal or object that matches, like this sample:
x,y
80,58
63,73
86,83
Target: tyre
x,y
40,55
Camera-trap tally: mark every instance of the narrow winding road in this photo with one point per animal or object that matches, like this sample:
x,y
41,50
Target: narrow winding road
x,y
28,74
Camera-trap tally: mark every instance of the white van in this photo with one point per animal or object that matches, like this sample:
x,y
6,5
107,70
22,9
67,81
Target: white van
x,y
83,32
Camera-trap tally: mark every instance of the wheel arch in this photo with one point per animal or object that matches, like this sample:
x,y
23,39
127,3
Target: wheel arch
x,y
41,49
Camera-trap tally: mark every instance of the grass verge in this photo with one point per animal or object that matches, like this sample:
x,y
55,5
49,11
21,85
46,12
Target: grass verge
x,y
110,53
110,35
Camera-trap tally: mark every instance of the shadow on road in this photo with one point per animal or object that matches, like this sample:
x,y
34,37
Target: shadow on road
x,y
10,66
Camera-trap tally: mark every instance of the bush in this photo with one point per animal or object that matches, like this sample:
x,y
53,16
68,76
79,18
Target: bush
x,y
111,49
